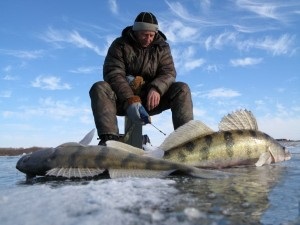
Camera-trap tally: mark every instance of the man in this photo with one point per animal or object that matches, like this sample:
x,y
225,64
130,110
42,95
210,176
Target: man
x,y
139,80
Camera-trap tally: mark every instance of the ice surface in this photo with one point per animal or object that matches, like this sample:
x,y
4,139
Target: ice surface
x,y
97,202
266,195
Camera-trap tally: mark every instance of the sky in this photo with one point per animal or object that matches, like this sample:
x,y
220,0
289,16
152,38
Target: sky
x,y
233,54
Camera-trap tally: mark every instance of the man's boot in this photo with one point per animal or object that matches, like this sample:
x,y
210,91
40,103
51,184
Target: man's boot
x,y
107,137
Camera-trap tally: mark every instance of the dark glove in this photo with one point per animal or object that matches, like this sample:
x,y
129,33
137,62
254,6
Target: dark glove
x,y
136,111
135,83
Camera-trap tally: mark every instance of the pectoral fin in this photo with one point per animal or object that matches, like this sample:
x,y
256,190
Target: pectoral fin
x,y
264,159
121,173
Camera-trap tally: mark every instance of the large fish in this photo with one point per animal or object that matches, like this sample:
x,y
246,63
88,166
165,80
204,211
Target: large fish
x,y
81,160
238,142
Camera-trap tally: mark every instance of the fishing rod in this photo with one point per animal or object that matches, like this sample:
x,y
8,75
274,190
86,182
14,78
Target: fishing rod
x,y
147,120
157,129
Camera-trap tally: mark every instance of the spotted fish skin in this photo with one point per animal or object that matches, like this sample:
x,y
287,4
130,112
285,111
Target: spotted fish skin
x,y
224,149
75,160
238,142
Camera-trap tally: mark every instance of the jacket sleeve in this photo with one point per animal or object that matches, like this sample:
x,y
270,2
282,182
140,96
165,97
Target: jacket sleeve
x,y
166,73
114,71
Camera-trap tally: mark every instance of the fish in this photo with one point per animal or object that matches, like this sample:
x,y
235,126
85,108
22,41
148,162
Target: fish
x,y
238,142
80,160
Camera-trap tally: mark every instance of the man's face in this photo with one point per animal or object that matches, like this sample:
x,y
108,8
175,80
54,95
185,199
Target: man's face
x,y
145,37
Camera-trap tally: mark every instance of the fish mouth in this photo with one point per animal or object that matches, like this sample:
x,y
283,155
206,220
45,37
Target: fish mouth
x,y
21,161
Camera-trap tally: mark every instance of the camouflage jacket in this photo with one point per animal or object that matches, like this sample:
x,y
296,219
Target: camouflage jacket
x,y
126,57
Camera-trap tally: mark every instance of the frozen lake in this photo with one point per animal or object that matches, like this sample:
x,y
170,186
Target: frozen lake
x,y
265,195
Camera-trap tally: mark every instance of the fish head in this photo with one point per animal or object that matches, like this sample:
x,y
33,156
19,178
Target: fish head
x,y
35,163
279,153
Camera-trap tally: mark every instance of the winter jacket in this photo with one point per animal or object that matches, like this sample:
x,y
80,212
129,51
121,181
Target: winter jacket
x,y
127,57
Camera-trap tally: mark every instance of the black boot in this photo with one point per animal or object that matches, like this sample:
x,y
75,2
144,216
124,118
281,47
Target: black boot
x,y
107,137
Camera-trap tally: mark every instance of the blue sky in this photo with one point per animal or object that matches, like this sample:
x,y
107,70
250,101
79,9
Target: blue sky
x,y
233,54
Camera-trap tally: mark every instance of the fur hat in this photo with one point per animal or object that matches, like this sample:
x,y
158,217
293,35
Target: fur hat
x,y
145,21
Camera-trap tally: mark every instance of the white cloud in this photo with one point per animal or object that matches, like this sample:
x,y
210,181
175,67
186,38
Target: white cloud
x,y
198,112
263,9
245,61
48,108
113,6
7,68
57,109
74,38
193,64
82,42
212,68
50,83
217,93
218,41
176,31
5,94
281,46
280,127
23,54
9,77
178,9
186,59
222,93
85,70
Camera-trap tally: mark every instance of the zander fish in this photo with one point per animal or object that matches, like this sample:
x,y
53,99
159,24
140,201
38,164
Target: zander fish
x,y
238,142
78,160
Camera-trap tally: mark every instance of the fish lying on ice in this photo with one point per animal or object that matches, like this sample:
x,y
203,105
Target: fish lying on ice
x,y
81,160
238,142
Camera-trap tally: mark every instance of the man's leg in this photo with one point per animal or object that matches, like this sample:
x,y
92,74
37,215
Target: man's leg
x,y
103,102
178,99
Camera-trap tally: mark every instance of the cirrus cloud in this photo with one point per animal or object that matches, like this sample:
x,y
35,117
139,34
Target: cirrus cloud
x,y
50,83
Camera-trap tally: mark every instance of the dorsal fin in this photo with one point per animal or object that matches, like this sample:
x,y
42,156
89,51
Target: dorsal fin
x,y
186,132
125,147
88,138
240,119
68,144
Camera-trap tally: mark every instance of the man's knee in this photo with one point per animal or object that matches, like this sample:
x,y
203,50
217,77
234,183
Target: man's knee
x,y
99,86
183,86
179,89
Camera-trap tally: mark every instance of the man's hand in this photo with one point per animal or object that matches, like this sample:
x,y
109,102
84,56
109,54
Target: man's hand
x,y
136,112
153,99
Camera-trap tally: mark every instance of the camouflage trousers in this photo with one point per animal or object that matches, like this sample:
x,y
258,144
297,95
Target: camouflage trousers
x,y
106,107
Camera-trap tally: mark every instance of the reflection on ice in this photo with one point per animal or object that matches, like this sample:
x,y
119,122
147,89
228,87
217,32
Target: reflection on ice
x,y
264,195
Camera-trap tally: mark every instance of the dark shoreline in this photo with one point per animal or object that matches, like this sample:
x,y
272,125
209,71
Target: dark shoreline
x,y
20,151
17,151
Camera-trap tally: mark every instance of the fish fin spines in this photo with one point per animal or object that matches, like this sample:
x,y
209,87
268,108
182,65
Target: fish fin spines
x,y
240,119
119,173
124,147
70,144
74,172
88,137
179,136
264,159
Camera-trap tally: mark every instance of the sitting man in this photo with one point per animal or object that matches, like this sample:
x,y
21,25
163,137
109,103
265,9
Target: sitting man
x,y
139,80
